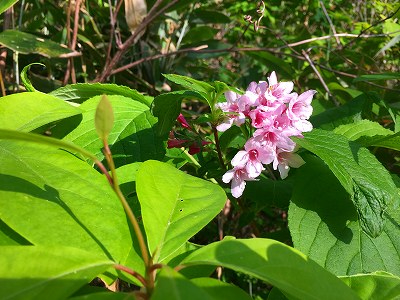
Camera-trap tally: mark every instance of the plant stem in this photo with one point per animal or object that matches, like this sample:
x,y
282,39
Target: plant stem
x,y
192,159
128,210
131,272
216,138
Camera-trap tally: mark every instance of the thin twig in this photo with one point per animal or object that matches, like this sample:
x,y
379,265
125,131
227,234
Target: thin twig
x,y
68,29
149,58
319,77
153,13
71,54
74,38
368,28
275,50
113,17
330,23
348,35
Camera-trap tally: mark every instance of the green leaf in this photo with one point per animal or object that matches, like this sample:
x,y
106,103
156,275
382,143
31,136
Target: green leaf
x,y
200,16
24,77
192,84
6,4
175,206
362,128
361,174
199,33
104,118
105,296
133,137
167,106
80,92
273,62
378,285
28,111
50,197
325,225
375,77
368,133
44,140
276,263
9,237
171,285
26,43
347,113
126,178
220,290
50,272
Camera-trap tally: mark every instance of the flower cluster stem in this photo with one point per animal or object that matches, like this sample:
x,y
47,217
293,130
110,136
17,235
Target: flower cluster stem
x,y
216,138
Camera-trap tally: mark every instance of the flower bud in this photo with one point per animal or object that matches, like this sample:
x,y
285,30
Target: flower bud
x,y
135,12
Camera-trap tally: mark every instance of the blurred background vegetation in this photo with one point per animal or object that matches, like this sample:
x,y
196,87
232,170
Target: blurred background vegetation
x,y
342,49
231,41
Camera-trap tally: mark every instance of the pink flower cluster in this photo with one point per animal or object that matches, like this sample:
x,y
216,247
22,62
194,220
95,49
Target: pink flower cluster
x,y
276,114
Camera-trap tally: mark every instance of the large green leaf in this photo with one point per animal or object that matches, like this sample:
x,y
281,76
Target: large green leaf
x,y
189,83
368,133
325,226
133,137
276,263
175,206
347,113
26,43
218,289
81,92
28,111
361,174
362,128
5,4
171,285
105,296
38,272
378,285
201,16
50,197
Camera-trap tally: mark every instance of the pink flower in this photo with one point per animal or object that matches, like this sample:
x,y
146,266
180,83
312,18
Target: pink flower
x,y
278,91
276,138
300,110
246,101
238,176
277,114
233,114
285,160
253,157
230,119
231,104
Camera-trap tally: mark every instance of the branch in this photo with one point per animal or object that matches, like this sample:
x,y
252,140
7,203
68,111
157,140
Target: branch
x,y
330,23
368,28
202,49
319,77
132,39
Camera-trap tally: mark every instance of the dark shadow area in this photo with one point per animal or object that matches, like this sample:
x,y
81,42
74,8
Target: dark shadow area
x,y
138,147
12,236
317,189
